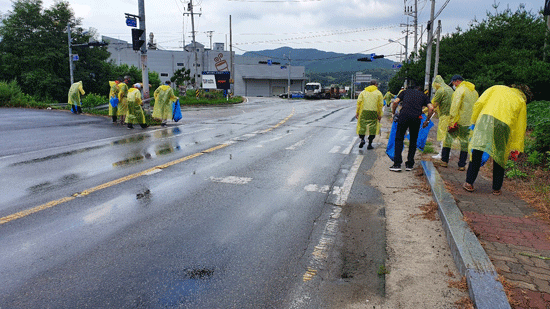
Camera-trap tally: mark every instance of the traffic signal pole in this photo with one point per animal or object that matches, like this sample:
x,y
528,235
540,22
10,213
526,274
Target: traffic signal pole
x,y
70,53
144,68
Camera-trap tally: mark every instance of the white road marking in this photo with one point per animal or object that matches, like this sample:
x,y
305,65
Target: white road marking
x,y
232,180
348,150
317,188
298,144
346,188
335,149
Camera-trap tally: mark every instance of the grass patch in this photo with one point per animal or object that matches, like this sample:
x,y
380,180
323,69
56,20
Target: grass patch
x,y
382,270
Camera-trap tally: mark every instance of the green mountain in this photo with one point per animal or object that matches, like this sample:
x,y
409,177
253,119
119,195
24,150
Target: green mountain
x,y
317,61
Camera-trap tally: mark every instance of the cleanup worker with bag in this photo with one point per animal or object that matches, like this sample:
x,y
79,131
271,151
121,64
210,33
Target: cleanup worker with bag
x,y
113,99
369,113
122,108
500,121
164,96
135,114
75,92
460,115
442,105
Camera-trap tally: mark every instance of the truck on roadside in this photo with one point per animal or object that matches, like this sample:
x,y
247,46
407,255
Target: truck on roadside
x,y
317,91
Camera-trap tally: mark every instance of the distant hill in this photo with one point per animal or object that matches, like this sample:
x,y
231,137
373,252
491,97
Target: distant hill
x,y
317,61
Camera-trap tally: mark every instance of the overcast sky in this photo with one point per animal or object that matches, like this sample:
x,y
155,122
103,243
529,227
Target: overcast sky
x,y
344,26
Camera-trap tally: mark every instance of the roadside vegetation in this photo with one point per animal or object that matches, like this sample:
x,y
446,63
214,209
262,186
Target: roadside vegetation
x,y
33,79
505,48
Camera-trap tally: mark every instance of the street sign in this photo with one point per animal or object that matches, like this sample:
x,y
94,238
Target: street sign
x,y
363,78
131,22
269,62
396,66
75,57
215,80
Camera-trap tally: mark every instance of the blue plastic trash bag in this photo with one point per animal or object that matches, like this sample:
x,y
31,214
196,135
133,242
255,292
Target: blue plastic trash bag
x,y
114,102
423,134
176,111
390,149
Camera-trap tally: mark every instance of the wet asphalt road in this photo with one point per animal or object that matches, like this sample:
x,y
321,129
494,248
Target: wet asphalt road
x,y
222,210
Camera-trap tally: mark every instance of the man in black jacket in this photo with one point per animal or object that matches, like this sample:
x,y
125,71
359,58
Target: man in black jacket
x,y
412,101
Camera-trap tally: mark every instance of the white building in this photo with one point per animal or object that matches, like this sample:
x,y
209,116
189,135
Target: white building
x,y
252,76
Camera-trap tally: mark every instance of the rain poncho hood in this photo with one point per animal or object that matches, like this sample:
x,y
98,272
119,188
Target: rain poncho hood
x,y
442,102
462,104
387,98
500,118
164,96
369,107
75,92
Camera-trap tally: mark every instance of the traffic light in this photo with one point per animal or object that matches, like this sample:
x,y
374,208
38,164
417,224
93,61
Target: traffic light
x,y
372,57
136,35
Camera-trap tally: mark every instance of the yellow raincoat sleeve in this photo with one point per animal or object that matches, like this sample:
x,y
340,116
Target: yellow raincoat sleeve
x,y
360,100
456,105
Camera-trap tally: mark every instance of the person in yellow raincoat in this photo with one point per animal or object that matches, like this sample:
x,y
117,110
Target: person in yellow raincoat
x,y
500,121
442,104
460,115
164,96
135,114
75,92
369,113
387,98
122,108
113,93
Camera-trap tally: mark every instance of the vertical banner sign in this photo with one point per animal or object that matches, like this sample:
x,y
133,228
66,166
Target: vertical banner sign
x,y
215,80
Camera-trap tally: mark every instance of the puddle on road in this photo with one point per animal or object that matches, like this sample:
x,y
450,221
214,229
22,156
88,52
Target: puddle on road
x,y
48,185
186,289
58,156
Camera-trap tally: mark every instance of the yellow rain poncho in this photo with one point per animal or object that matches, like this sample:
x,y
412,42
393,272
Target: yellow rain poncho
x,y
122,99
463,101
500,118
369,109
75,92
387,97
164,96
135,114
113,93
442,103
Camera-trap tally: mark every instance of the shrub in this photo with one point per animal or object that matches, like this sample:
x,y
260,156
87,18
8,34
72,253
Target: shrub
x,y
93,100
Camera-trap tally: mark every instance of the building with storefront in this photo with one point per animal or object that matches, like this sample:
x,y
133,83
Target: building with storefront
x,y
253,76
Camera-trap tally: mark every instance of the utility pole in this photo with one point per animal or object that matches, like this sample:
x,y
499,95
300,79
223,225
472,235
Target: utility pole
x,y
429,48
70,53
232,76
416,28
436,66
194,41
289,67
143,51
209,34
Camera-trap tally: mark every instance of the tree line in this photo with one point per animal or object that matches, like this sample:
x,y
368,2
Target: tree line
x,y
34,53
504,48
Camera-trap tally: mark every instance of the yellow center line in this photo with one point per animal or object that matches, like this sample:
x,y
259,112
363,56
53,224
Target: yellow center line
x,y
30,211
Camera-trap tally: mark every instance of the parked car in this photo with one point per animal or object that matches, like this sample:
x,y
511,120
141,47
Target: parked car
x,y
293,94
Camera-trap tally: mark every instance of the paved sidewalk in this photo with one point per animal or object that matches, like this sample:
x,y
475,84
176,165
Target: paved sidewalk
x,y
517,243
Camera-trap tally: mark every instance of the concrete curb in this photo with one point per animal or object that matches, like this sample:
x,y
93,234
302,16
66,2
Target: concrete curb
x,y
470,258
